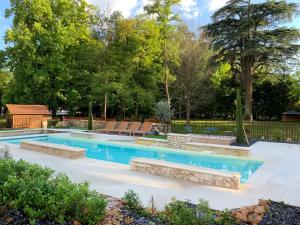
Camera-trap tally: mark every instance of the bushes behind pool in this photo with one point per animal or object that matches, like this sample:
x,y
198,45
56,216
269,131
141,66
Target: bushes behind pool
x,y
43,196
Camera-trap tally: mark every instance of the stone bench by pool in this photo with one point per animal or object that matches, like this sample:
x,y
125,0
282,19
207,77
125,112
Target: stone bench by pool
x,y
200,175
217,149
54,149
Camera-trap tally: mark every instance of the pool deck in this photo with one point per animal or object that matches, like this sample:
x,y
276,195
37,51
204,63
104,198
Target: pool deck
x,y
277,179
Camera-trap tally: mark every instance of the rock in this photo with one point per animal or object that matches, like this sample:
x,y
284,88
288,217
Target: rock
x,y
262,202
241,217
254,218
260,209
244,210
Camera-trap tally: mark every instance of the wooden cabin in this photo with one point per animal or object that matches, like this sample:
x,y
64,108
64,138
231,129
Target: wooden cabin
x,y
291,116
27,116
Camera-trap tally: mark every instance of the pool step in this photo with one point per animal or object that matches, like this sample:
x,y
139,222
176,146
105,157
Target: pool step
x,y
54,149
186,172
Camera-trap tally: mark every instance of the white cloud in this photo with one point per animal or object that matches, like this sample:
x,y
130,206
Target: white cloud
x,y
216,4
124,6
189,8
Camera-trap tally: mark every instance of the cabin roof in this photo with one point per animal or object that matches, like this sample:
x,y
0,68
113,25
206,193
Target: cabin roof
x,y
16,109
292,112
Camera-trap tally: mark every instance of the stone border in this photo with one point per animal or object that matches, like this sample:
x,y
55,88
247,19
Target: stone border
x,y
217,149
188,173
82,135
196,147
152,142
54,149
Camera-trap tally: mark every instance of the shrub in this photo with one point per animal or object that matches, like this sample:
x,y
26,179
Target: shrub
x,y
53,122
184,213
133,203
42,195
163,113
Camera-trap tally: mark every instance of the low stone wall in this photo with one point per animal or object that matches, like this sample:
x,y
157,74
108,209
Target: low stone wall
x,y
152,142
180,141
218,140
81,123
10,133
54,149
217,149
188,173
83,135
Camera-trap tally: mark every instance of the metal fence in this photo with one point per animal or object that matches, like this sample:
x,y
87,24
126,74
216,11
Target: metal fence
x,y
258,130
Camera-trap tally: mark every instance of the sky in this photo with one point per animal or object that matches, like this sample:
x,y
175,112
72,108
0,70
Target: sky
x,y
195,13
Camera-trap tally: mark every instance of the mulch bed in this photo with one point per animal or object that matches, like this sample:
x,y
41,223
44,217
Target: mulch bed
x,y
277,214
281,214
12,217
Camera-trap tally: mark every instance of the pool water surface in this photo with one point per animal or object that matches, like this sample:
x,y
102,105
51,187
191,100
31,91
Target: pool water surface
x,y
123,153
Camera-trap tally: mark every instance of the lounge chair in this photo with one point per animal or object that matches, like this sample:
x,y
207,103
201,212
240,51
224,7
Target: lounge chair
x,y
122,126
109,126
132,129
146,129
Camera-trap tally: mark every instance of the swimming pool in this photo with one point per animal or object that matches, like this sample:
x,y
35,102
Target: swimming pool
x,y
123,153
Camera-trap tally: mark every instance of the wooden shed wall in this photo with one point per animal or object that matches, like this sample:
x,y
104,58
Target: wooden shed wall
x,y
28,121
291,118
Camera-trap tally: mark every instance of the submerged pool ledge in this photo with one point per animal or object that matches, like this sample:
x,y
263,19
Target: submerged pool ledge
x,y
54,149
196,174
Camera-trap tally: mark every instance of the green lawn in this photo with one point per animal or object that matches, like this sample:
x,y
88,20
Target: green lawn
x,y
266,130
163,137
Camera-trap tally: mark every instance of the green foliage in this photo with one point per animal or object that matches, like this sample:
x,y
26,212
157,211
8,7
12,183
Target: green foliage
x,y
133,203
183,213
248,36
163,112
240,130
42,42
53,122
90,119
162,10
42,195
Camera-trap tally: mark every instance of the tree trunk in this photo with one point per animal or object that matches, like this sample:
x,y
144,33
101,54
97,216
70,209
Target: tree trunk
x,y
246,78
166,77
136,112
180,111
105,106
188,111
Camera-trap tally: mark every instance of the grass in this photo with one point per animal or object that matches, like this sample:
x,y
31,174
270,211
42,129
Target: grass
x,y
163,137
258,130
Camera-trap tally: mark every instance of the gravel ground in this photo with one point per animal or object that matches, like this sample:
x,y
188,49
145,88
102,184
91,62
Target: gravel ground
x,y
18,218
281,214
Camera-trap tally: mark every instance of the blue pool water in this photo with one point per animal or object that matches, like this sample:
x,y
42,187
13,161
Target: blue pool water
x,y
120,153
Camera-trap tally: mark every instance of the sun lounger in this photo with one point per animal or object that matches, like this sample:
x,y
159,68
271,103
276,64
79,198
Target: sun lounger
x,y
122,126
109,126
132,129
146,129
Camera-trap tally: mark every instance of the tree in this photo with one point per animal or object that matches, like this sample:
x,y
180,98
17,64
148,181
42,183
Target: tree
x,y
248,37
162,9
193,69
90,117
42,44
240,130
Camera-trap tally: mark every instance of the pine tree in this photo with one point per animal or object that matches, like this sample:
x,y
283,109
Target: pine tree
x,y
248,37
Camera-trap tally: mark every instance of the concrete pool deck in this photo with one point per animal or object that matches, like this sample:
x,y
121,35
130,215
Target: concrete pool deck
x,y
277,179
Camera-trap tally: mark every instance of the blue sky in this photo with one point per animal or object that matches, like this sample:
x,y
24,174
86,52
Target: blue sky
x,y
194,12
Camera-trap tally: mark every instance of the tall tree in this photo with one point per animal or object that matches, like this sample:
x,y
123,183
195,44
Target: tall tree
x,y
248,37
44,36
162,9
193,68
